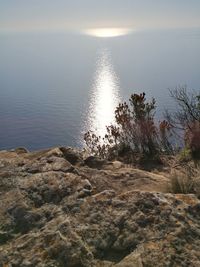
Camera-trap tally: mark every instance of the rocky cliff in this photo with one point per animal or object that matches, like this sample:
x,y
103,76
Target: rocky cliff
x,y
61,210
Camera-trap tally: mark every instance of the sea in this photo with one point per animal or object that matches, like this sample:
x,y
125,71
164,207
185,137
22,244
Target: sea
x,y
55,86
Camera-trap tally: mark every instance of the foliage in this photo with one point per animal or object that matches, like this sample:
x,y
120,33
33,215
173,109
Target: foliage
x,y
102,146
135,130
188,107
192,139
165,134
185,155
187,118
187,182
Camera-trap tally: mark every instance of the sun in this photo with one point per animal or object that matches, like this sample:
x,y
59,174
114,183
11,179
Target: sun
x,y
107,32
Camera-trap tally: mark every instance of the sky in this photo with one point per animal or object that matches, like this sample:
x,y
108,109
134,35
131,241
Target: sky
x,y
55,15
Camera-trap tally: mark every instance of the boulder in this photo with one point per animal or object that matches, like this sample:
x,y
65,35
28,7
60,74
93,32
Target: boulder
x,y
46,164
95,162
72,155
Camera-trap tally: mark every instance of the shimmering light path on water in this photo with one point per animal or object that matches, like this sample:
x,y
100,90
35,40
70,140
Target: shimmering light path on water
x,y
104,94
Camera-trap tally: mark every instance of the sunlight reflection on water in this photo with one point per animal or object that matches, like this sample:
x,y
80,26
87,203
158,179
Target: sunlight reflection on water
x,y
104,94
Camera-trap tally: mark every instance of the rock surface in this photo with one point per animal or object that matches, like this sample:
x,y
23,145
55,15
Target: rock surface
x,y
61,210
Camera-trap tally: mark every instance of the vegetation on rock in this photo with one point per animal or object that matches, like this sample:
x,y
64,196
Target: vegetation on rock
x,y
186,118
186,181
136,131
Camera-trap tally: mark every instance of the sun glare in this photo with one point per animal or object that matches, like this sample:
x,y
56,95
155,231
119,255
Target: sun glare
x,y
107,32
104,95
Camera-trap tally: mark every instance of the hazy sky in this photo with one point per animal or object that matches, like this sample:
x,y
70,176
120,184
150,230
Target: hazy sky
x,y
79,14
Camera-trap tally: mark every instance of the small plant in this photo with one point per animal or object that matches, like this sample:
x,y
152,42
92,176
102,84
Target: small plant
x,y
187,182
165,134
102,146
185,155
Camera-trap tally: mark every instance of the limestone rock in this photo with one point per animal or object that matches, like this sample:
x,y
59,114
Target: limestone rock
x,y
72,155
60,211
94,162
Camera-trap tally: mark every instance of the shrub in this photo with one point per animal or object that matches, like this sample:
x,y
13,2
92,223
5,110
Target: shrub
x,y
192,139
165,134
187,182
187,118
135,131
185,155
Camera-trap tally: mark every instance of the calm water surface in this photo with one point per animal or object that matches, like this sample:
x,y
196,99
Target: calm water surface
x,y
54,87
